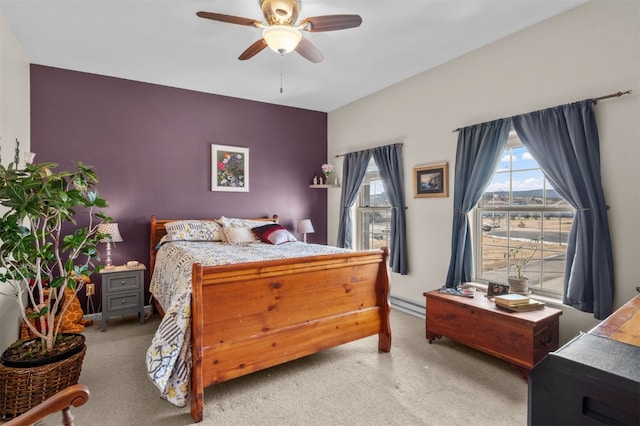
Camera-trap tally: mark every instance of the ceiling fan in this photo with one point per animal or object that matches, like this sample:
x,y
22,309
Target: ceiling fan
x,y
281,33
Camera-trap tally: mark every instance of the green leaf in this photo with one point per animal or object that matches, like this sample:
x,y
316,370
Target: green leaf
x,y
57,282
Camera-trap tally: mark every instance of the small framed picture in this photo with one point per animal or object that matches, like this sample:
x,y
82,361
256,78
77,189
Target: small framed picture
x,y
495,289
431,181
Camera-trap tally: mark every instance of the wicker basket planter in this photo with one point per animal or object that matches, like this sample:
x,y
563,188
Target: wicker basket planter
x,y
23,388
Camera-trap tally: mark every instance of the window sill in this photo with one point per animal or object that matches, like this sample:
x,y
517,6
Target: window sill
x,y
551,301
554,302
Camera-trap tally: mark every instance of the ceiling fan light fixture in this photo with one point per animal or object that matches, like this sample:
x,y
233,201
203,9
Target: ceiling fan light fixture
x,y
281,38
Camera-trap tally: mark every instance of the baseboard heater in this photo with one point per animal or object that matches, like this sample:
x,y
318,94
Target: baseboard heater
x,y
407,306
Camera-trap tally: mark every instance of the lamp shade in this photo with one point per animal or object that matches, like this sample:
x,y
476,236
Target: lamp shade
x,y
281,38
305,227
112,230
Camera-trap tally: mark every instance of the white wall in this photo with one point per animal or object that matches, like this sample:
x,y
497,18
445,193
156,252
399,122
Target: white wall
x,y
589,51
14,123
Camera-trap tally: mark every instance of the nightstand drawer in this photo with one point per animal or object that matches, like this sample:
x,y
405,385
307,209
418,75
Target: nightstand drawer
x,y
122,302
122,282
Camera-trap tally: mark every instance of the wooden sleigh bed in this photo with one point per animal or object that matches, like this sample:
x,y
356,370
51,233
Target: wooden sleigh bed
x,y
251,316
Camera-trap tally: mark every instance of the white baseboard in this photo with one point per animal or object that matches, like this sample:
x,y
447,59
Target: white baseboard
x,y
95,317
407,306
396,302
98,315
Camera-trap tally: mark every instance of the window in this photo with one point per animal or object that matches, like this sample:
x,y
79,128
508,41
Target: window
x,y
520,205
373,212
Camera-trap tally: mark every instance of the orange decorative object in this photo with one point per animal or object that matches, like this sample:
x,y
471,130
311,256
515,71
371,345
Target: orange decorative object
x,y
72,319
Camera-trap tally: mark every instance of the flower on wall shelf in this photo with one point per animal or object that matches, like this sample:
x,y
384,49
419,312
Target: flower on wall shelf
x,y
326,170
231,169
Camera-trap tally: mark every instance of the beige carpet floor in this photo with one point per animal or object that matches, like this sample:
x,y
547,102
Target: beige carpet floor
x,y
417,383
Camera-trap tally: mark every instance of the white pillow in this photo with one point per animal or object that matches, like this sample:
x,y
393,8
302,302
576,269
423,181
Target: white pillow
x,y
240,223
193,230
235,235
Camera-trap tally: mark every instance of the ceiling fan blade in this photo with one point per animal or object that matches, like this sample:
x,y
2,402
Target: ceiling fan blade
x,y
331,22
229,19
253,50
308,51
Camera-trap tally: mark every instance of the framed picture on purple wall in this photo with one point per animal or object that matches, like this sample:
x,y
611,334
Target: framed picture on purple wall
x,y
229,168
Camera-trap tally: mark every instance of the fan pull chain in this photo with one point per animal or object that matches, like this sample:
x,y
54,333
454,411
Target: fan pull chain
x,y
281,65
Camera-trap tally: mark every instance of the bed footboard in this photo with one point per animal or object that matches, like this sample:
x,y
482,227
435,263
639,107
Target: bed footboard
x,y
252,316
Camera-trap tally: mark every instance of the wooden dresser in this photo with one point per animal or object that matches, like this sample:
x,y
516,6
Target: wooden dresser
x,y
522,338
623,325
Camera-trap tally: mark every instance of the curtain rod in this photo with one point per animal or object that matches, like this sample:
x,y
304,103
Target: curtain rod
x,y
595,101
342,155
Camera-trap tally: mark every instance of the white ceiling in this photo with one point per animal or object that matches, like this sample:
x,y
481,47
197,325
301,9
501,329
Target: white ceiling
x,y
164,42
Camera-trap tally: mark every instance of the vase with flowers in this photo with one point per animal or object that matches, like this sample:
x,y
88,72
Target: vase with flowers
x,y
327,169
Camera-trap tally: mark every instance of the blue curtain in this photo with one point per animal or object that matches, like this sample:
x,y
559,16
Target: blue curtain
x,y
564,141
478,154
354,169
389,161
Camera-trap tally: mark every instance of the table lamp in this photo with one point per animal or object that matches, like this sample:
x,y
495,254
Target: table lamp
x,y
305,227
113,236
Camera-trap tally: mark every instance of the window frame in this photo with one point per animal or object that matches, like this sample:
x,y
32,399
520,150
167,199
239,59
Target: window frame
x,y
362,208
477,225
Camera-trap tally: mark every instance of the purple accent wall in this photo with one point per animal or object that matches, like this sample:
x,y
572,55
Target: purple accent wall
x,y
150,146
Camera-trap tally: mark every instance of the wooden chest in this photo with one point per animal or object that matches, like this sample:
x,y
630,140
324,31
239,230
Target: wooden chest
x,y
522,338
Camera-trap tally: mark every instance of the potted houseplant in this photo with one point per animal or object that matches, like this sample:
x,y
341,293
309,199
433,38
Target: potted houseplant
x,y
44,251
45,254
517,260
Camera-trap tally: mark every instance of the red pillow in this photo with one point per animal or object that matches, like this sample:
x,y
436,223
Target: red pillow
x,y
273,234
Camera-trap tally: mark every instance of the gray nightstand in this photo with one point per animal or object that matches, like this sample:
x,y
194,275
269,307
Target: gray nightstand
x,y
122,292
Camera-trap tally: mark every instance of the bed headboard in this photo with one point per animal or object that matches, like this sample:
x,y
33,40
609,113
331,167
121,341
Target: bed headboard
x,y
158,231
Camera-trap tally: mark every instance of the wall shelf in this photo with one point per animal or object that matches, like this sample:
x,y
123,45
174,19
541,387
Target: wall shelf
x,y
324,186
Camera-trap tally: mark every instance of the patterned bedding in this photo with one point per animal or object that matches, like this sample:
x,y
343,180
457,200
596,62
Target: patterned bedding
x,y
169,356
